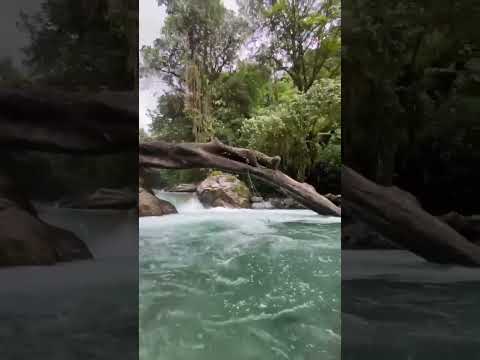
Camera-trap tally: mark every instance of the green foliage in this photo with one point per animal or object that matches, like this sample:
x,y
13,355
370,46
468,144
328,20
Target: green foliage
x,y
169,120
199,32
199,40
298,128
237,95
74,44
283,98
412,95
302,37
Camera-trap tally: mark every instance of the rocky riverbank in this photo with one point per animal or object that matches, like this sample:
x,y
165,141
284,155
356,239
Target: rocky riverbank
x,y
229,191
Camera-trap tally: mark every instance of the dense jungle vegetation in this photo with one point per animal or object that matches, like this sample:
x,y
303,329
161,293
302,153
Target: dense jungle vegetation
x,y
410,109
267,78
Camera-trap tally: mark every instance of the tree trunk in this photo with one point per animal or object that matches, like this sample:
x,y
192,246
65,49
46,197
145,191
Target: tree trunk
x,y
399,216
217,155
51,121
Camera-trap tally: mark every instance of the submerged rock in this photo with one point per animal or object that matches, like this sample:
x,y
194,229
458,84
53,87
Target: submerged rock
x,y
223,190
150,205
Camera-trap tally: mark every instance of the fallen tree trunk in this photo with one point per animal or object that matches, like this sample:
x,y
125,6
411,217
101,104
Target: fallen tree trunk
x,y
399,216
160,154
52,121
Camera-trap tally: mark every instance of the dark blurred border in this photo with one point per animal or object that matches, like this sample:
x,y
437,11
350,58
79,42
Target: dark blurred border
x,y
411,146
69,179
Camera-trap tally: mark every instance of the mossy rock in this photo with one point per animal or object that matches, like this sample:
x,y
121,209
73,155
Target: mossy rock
x,y
224,190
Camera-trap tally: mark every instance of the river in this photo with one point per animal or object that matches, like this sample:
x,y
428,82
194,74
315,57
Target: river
x,y
239,284
80,309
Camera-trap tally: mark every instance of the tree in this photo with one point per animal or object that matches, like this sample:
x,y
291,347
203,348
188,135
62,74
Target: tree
x,y
298,129
169,120
199,41
298,37
200,32
80,44
404,64
237,95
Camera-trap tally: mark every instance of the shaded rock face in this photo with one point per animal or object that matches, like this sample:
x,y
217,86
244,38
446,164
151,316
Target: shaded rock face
x,y
150,205
104,199
223,190
27,240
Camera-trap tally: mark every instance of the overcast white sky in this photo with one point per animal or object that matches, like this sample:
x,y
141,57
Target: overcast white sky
x,y
151,18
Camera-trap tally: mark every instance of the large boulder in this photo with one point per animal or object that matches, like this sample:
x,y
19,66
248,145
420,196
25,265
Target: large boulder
x,y
104,199
150,205
223,190
27,240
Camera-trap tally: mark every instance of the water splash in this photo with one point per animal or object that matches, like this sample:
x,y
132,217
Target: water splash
x,y
270,281
184,202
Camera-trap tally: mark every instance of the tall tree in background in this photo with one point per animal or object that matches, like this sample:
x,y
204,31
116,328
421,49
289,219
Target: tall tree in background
x,y
275,89
199,40
411,73
298,37
82,43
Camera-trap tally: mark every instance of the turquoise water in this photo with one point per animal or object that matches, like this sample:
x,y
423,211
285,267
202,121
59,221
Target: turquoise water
x,y
240,284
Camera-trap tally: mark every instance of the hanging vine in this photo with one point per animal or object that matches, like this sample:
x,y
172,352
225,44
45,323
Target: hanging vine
x,y
197,103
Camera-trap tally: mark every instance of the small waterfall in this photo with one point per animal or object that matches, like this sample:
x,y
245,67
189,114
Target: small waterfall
x,y
183,201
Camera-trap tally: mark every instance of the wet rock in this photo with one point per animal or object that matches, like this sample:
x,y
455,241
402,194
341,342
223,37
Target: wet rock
x,y
223,190
150,205
256,199
27,240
